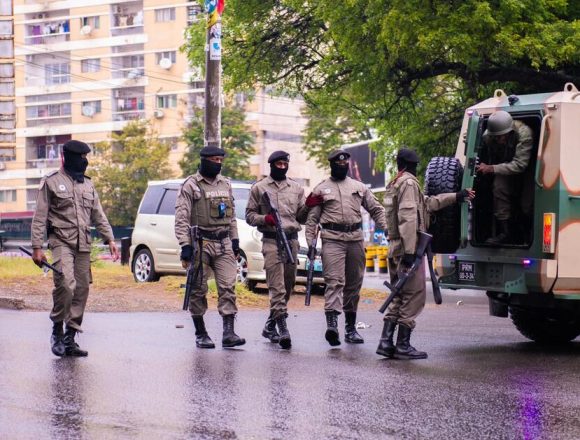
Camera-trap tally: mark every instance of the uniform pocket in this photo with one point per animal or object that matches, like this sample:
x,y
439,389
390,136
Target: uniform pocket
x,y
64,200
220,208
88,200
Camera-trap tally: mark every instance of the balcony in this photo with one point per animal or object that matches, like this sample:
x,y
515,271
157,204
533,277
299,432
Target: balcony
x,y
127,19
128,104
49,32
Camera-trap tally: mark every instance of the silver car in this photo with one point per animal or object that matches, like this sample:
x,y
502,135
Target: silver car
x,y
155,250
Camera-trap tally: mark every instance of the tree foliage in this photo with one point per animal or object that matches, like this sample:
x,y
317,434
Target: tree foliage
x,y
123,166
237,142
406,68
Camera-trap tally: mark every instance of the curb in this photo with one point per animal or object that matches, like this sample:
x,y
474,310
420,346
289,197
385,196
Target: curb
x,y
11,303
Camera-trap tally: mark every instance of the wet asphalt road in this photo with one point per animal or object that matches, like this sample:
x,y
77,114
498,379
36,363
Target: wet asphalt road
x,y
145,379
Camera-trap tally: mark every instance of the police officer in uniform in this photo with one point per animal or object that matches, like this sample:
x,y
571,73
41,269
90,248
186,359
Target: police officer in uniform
x,y
407,213
337,207
509,144
206,200
288,197
66,207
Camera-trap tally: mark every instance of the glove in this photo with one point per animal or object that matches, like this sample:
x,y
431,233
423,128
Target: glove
x,y
270,220
461,196
311,253
236,246
408,260
314,200
186,252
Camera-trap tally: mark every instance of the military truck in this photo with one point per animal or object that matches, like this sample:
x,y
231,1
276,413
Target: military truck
x,y
534,277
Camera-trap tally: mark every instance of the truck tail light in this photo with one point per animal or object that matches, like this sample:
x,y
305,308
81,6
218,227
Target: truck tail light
x,y
549,235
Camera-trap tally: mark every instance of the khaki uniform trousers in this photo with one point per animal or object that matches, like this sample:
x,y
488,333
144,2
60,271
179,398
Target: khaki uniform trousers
x,y
408,305
71,289
280,276
506,189
219,257
344,265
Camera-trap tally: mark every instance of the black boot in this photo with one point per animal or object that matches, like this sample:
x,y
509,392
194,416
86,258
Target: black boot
x,y
71,348
331,334
503,236
350,334
270,331
56,342
386,347
285,341
230,339
404,349
202,339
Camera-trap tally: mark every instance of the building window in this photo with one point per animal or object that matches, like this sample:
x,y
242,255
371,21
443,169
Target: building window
x,y
48,111
6,71
167,101
5,27
91,107
57,73
94,22
165,14
7,108
8,195
7,88
91,65
172,55
6,49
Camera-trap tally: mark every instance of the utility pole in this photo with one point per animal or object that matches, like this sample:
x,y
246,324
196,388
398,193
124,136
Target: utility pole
x,y
213,56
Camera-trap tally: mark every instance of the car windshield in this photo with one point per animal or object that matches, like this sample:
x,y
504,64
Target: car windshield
x,y
241,196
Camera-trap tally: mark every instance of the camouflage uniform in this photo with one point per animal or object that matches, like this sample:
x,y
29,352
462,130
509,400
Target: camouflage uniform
x,y
65,210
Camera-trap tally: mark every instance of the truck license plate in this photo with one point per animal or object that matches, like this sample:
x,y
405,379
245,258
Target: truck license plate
x,y
317,265
466,271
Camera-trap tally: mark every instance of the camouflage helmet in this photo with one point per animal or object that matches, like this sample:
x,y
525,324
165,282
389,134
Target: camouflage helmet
x,y
499,123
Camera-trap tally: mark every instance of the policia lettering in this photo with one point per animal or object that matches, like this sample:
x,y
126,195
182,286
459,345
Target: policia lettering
x,y
206,200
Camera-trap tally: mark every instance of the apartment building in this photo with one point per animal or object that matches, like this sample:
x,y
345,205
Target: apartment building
x,y
83,70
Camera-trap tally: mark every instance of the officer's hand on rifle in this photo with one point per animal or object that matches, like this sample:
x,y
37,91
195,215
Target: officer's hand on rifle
x,y
38,257
314,200
408,260
270,220
236,246
311,253
186,254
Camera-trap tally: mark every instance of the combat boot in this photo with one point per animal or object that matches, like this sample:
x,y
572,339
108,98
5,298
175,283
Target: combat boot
x,y
350,334
331,334
71,348
285,341
202,339
270,331
386,346
230,339
404,349
503,236
56,342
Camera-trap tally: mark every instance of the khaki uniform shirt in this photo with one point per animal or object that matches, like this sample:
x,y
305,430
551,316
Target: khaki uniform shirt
x,y
518,150
194,206
408,212
286,195
342,202
67,208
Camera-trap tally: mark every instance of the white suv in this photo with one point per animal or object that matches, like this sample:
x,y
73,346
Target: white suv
x,y
155,250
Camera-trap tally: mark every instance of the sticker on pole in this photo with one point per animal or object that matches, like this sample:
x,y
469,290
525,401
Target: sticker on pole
x,y
215,49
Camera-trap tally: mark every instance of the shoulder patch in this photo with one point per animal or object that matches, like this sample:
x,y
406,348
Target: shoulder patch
x,y
52,173
410,182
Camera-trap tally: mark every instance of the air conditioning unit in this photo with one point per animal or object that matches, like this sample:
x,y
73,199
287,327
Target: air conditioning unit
x,y
88,111
2,166
158,114
86,30
165,63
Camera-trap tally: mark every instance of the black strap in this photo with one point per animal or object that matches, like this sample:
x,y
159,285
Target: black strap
x,y
274,236
341,227
212,235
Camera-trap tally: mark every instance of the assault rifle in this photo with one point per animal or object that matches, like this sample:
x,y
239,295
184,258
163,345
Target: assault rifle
x,y
281,239
310,274
194,274
435,283
44,262
404,274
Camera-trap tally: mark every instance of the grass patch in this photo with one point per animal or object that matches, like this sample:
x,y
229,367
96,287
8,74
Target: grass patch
x,y
18,267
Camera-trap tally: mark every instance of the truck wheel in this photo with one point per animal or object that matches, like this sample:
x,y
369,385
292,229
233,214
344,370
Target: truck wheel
x,y
444,175
544,328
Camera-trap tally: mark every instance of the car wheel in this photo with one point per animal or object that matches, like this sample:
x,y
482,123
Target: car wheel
x,y
144,267
242,275
444,175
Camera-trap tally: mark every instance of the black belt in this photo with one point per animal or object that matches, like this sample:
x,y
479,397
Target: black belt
x,y
210,235
341,227
274,236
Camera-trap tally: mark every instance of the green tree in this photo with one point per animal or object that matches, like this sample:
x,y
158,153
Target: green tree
x,y
237,142
406,68
123,166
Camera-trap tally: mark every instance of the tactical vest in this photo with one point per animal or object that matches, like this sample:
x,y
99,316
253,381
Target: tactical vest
x,y
216,207
391,204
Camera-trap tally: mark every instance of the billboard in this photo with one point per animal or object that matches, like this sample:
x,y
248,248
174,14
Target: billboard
x,y
362,165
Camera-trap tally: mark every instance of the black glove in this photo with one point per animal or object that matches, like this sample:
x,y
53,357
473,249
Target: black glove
x,y
186,252
408,260
311,253
461,196
236,246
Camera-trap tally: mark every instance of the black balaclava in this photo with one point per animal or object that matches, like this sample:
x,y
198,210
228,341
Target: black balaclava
x,y
339,172
410,167
75,165
209,169
276,173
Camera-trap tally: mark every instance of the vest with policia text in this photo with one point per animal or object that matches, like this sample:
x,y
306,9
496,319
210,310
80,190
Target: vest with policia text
x,y
214,204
